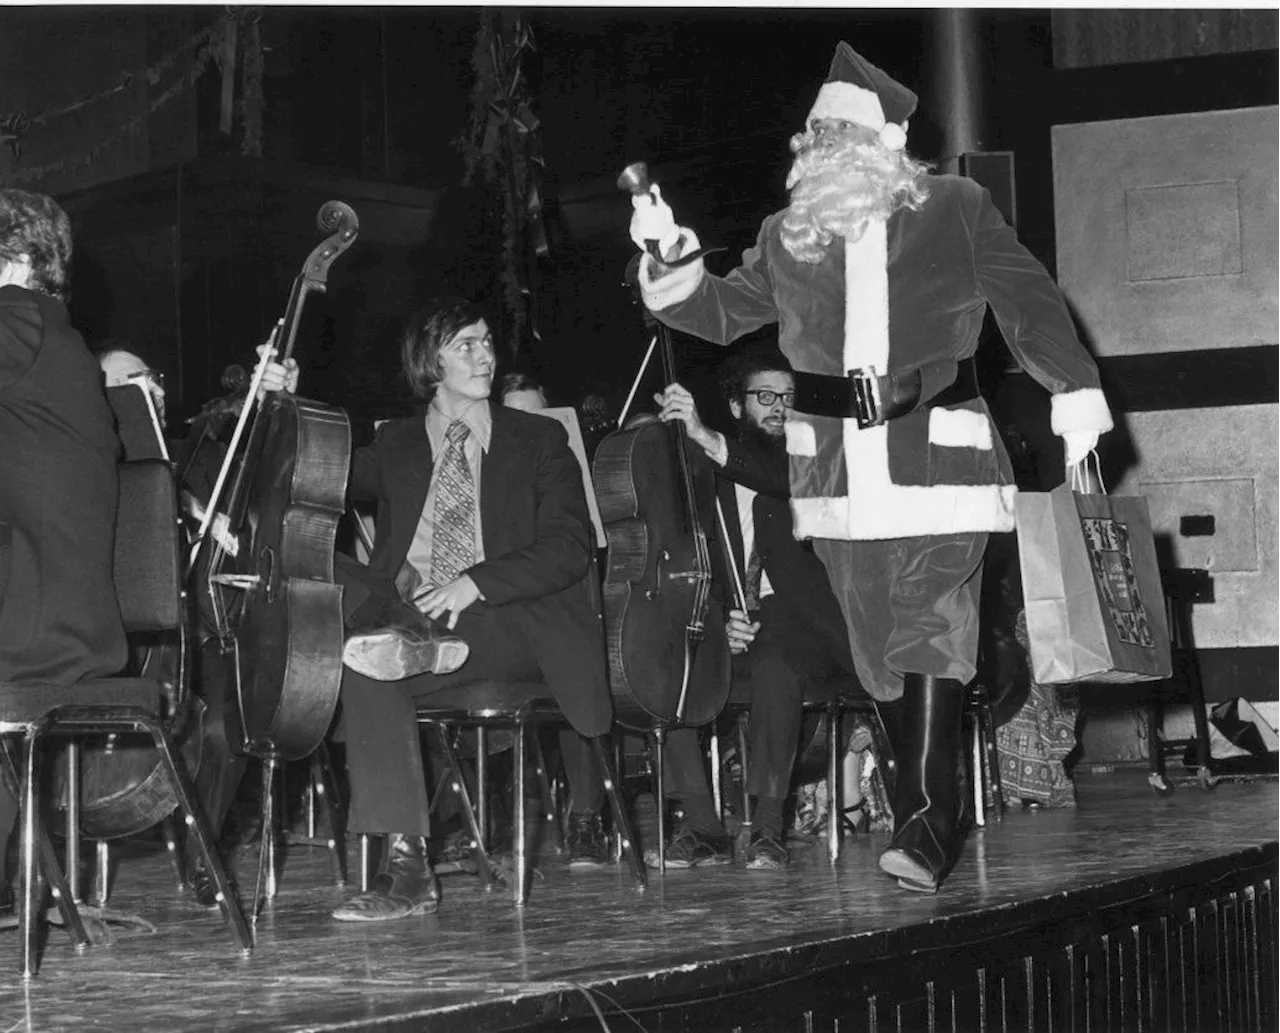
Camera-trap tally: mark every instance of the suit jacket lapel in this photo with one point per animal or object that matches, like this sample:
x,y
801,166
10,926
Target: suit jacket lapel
x,y
411,466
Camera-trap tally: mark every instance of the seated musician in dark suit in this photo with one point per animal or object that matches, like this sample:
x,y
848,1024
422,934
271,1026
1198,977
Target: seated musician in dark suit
x,y
485,505
793,637
59,620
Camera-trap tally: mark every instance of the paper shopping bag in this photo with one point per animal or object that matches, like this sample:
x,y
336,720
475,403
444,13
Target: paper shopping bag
x,y
1094,604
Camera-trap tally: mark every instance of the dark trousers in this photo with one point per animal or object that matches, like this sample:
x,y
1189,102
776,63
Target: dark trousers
x,y
911,605
384,755
788,662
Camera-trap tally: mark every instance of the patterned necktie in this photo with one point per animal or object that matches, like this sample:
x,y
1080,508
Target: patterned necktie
x,y
751,589
453,544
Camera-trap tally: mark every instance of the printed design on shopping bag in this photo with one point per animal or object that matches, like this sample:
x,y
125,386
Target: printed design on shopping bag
x,y
1117,578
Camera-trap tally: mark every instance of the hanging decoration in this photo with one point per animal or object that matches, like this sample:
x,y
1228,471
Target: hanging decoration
x,y
503,144
189,61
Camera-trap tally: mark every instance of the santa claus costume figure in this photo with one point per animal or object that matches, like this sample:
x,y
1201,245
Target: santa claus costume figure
x,y
878,275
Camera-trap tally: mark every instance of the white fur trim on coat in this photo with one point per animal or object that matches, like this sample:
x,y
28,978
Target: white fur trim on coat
x,y
959,428
1084,409
676,286
866,300
907,512
801,439
850,102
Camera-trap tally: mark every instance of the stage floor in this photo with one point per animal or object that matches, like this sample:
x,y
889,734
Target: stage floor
x,y
479,964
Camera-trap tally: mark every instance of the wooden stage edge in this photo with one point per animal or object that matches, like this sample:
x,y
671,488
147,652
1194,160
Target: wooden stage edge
x,y
1129,911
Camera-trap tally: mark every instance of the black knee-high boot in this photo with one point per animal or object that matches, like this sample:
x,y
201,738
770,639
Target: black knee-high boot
x,y
926,797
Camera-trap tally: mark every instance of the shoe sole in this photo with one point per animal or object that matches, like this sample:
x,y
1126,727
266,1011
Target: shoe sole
x,y
433,658
425,908
710,862
910,875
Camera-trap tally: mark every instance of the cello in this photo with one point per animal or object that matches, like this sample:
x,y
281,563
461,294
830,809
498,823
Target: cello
x,y
270,574
669,661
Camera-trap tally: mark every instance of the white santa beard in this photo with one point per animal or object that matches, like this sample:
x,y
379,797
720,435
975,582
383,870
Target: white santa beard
x,y
830,203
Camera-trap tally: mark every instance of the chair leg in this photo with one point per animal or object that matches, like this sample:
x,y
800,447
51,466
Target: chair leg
x,y
717,791
549,813
169,830
660,793
744,766
621,819
976,794
35,837
835,817
72,845
618,750
992,754
482,783
365,849
520,839
198,826
264,885
324,787
459,783
102,874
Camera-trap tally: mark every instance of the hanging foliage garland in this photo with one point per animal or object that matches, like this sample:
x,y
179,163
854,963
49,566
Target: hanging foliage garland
x,y
502,145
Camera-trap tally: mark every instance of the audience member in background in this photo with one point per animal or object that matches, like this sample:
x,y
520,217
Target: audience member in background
x,y
521,391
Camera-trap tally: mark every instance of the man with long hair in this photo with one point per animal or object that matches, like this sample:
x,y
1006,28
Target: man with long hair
x,y
878,275
482,526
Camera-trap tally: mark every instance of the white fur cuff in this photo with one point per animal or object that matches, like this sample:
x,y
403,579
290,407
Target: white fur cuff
x,y
801,439
676,286
1084,409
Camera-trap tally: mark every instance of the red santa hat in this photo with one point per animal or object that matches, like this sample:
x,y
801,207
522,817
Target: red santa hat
x,y
857,91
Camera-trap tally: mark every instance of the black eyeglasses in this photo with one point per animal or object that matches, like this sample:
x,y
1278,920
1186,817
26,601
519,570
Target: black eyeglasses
x,y
766,397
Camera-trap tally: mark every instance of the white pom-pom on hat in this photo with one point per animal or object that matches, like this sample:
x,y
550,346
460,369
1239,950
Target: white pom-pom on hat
x,y
893,136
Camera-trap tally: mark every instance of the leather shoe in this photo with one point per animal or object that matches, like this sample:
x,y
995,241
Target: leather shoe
x,y
202,884
406,885
389,640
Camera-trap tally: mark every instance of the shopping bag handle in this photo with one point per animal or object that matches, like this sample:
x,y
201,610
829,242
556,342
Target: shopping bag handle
x,y
1080,474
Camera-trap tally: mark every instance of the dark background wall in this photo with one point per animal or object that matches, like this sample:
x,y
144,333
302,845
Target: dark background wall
x,y
377,97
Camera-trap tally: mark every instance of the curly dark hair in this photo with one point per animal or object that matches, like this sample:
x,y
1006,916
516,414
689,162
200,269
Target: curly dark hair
x,y
34,225
430,329
738,369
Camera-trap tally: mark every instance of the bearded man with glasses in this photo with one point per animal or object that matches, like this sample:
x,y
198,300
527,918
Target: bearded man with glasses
x,y
791,638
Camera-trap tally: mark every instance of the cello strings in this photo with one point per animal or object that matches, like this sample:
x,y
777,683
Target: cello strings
x,y
635,384
250,398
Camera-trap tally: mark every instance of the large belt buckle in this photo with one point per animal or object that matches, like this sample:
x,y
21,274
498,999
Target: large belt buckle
x,y
866,397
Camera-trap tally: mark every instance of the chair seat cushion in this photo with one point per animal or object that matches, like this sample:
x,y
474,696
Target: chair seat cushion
x,y
499,699
24,702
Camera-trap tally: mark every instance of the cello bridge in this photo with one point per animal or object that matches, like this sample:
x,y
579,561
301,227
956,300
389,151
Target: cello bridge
x,y
243,582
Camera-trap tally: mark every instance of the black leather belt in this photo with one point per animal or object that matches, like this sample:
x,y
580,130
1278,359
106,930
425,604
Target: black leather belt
x,y
872,400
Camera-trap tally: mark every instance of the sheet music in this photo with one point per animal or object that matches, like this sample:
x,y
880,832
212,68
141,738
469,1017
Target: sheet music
x,y
137,422
568,418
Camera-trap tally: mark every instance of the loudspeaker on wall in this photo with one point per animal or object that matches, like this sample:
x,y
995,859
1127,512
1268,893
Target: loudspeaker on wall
x,y
994,170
